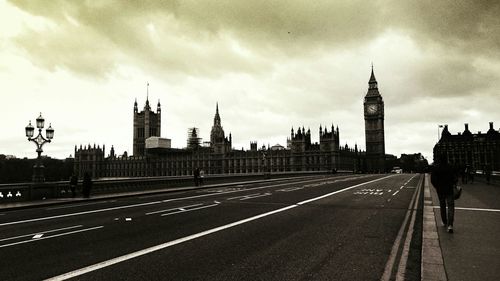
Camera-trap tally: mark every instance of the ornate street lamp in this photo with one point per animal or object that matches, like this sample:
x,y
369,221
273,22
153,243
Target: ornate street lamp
x,y
39,141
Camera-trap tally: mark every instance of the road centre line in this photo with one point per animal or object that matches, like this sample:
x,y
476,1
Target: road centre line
x,y
53,236
189,210
139,253
395,193
76,205
147,203
472,209
172,209
256,196
242,196
338,191
44,232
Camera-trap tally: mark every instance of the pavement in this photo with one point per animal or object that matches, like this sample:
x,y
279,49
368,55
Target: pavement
x,y
472,252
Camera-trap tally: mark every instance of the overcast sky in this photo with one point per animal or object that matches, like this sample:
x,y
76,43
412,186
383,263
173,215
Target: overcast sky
x,y
271,65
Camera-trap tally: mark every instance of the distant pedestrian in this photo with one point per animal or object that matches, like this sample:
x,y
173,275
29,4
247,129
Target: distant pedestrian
x,y
73,182
444,178
196,175
87,185
202,175
488,174
471,174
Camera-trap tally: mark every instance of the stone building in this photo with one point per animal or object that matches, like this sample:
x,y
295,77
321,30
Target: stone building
x,y
480,151
146,124
218,157
374,127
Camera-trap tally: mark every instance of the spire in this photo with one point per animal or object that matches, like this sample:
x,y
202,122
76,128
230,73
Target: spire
x,y
147,107
158,107
217,116
135,105
372,84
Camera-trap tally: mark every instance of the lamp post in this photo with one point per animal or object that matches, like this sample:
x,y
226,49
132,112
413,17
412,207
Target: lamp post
x,y
39,141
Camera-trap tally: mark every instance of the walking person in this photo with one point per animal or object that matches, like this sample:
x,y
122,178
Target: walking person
x,y
196,175
87,185
444,178
73,181
202,175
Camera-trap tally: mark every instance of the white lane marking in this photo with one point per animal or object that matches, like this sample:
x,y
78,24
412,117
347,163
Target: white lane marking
x,y
172,209
38,236
116,260
291,189
395,193
47,231
151,203
400,275
395,247
189,210
119,259
338,191
256,196
402,187
77,205
53,236
128,219
242,196
80,213
472,209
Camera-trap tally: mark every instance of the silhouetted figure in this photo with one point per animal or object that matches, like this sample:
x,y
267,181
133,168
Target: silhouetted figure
x,y
464,174
87,185
202,175
488,174
73,182
196,175
471,174
444,178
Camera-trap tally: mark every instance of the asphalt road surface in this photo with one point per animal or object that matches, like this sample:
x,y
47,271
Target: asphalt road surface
x,y
355,227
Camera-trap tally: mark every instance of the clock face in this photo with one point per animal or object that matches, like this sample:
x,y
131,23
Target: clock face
x,y
372,108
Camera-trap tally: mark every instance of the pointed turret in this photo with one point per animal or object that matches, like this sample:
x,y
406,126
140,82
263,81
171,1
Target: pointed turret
x,y
372,85
217,116
158,107
135,106
147,107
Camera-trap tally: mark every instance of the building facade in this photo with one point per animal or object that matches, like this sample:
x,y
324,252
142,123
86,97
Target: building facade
x,y
374,127
218,156
480,151
146,124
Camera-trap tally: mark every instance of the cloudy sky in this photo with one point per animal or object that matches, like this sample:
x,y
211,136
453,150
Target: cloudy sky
x,y
271,65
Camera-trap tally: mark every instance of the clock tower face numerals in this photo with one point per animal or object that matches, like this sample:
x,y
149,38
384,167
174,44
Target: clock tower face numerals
x,y
372,109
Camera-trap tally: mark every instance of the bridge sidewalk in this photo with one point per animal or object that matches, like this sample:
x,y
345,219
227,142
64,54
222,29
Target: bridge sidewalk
x,y
472,252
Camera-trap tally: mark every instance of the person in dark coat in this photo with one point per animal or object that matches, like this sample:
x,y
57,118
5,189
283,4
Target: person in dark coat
x,y
444,178
87,185
196,175
73,181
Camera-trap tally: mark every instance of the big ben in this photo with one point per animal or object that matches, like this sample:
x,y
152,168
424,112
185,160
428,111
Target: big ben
x,y
374,128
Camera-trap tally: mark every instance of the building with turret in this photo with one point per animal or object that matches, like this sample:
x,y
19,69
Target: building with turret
x,y
146,124
479,151
374,127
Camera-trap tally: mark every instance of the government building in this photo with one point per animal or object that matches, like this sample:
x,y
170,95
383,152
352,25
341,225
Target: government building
x,y
480,151
153,156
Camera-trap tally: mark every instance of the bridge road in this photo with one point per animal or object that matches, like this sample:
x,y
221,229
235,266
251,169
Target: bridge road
x,y
324,228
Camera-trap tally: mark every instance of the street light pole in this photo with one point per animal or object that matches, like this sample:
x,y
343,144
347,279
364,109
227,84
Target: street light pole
x,y
39,141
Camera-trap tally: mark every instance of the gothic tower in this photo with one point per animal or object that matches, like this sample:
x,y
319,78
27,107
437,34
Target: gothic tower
x,y
146,124
374,127
218,141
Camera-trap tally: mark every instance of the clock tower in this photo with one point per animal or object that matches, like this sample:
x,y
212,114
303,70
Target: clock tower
x,y
374,128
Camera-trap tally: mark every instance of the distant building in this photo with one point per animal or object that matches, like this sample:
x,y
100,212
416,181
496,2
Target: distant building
x,y
146,124
374,127
480,151
218,157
